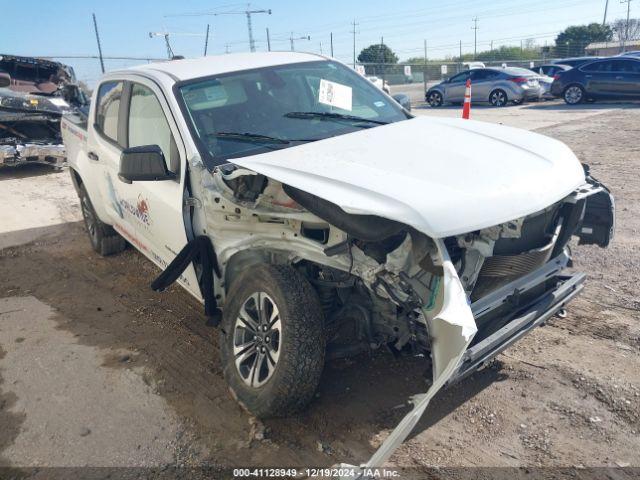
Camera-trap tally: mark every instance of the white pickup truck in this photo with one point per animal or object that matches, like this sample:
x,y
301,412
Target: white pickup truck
x,y
324,220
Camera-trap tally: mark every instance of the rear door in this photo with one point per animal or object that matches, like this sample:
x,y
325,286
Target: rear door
x,y
104,146
626,81
598,78
454,90
482,83
151,213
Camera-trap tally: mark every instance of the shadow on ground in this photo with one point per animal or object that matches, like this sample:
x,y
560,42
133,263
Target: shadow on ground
x,y
107,303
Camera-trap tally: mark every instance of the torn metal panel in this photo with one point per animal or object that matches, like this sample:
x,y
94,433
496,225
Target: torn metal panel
x,y
451,331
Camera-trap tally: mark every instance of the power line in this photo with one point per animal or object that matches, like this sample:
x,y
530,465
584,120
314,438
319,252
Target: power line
x,y
247,13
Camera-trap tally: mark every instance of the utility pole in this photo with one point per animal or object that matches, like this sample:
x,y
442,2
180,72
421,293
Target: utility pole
x,y
382,58
626,30
206,41
424,74
354,24
226,48
248,12
292,39
321,47
331,38
268,41
475,37
606,7
95,26
460,52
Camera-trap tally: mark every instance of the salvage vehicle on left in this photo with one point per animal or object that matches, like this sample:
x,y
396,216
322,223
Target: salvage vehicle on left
x,y
34,94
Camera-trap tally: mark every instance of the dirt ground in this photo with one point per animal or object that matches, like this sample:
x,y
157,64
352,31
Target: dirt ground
x,y
567,395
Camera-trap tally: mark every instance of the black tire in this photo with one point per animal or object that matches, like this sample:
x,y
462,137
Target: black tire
x,y
498,98
574,94
104,239
289,383
435,99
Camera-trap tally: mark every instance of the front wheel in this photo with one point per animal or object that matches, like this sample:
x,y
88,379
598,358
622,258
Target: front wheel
x,y
435,99
272,340
574,94
498,98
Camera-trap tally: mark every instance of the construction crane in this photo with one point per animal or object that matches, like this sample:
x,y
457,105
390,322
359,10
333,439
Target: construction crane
x,y
248,12
170,53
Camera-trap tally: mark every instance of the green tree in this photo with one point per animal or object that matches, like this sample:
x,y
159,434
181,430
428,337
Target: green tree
x,y
573,40
377,53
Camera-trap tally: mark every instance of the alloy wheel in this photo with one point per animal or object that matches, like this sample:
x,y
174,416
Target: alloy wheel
x,y
498,98
89,219
573,95
435,99
257,339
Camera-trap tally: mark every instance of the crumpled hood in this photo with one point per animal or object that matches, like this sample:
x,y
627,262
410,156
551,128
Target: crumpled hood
x,y
441,176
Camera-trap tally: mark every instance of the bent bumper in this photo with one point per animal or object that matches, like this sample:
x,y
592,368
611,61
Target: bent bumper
x,y
525,317
24,153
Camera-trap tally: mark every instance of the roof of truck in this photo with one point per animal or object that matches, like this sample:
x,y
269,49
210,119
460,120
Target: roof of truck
x,y
214,65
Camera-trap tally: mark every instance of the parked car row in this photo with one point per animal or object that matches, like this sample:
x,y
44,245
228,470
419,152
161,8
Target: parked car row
x,y
573,79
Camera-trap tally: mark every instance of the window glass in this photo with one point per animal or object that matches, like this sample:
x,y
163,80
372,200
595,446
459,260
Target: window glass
x,y
461,77
108,105
626,66
260,110
601,67
479,75
148,124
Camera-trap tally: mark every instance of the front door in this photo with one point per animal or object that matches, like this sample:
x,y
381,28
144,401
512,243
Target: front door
x,y
150,213
454,89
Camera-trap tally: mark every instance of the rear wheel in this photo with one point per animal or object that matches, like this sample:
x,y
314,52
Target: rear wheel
x,y
104,239
498,98
435,99
272,341
574,94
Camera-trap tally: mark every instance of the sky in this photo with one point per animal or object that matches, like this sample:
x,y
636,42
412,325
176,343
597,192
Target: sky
x,y
65,27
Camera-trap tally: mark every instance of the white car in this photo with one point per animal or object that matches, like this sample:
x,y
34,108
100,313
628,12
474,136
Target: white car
x,y
324,220
380,83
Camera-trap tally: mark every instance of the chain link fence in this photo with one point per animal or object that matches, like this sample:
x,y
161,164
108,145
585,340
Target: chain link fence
x,y
434,71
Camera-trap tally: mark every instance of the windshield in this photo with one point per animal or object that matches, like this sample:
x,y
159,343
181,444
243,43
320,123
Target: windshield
x,y
256,111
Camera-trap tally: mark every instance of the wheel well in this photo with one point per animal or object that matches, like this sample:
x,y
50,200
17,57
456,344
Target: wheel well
x,y
575,84
244,259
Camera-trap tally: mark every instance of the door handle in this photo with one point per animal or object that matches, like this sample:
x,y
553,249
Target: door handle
x,y
93,156
619,77
588,76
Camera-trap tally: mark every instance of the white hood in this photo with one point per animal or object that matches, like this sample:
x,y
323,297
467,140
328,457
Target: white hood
x,y
441,176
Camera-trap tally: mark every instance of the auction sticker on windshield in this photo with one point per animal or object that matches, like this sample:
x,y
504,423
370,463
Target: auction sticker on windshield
x,y
335,95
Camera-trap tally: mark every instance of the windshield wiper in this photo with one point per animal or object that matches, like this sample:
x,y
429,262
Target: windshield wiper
x,y
249,137
333,116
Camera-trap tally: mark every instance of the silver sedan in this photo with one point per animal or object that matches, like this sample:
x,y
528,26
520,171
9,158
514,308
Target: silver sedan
x,y
497,86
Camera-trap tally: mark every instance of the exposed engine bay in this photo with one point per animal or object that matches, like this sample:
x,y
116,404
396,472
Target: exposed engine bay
x,y
34,94
379,280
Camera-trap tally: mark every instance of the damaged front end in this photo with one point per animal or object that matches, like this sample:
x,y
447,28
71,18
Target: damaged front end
x,y
458,300
34,94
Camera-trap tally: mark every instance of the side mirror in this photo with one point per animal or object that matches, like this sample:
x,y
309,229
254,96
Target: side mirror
x,y
404,100
143,164
5,80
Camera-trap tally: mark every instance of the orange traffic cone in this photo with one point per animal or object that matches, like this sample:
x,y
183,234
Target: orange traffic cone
x,y
466,108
